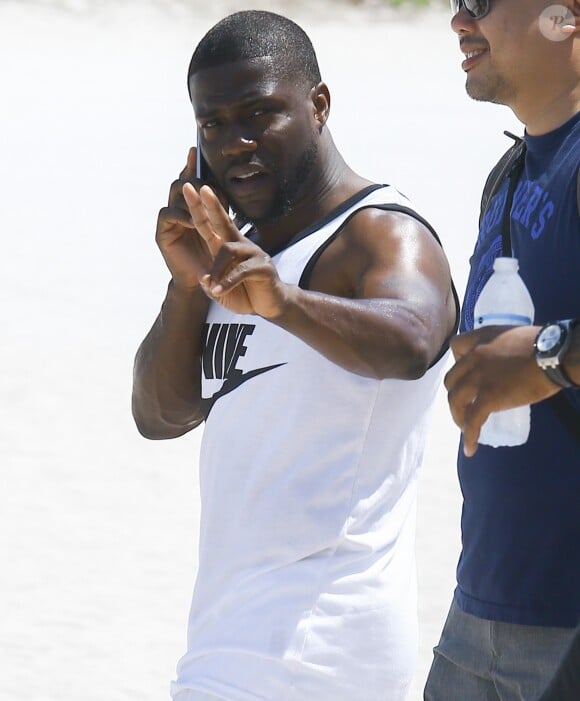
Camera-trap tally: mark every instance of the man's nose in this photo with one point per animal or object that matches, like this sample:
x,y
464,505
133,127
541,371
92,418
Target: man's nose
x,y
462,21
238,142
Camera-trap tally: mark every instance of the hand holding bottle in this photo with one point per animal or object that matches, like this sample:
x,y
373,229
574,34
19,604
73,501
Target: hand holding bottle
x,y
495,369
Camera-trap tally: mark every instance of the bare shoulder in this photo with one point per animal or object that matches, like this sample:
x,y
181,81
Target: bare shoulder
x,y
382,243
375,229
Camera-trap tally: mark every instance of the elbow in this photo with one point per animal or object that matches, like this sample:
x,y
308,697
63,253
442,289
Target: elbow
x,y
420,353
415,360
150,430
420,342
411,356
405,347
156,427
161,431
410,362
416,367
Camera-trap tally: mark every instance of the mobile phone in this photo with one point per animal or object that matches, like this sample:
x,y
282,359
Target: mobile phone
x,y
202,171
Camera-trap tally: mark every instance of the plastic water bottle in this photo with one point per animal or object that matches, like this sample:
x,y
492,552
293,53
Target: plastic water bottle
x,y
505,301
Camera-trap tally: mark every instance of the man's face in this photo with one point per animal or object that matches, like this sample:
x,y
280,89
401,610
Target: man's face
x,y
507,58
258,134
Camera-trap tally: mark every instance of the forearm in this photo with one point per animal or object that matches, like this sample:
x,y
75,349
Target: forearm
x,y
371,337
167,373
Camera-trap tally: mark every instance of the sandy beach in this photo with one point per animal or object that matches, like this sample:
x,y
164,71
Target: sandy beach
x,y
98,527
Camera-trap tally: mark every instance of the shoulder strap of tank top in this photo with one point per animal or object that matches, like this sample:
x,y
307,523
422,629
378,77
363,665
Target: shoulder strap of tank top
x,y
393,207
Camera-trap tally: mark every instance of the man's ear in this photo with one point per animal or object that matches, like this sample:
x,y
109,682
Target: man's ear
x,y
320,96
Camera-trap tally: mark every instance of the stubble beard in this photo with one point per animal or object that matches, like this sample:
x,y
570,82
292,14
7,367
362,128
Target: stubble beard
x,y
489,88
289,189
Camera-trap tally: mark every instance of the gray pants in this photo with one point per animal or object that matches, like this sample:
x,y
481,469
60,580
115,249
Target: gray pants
x,y
565,685
479,660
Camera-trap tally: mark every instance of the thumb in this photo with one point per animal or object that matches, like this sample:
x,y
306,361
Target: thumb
x,y
463,343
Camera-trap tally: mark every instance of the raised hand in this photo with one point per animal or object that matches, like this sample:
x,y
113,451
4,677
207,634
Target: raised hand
x,y
241,276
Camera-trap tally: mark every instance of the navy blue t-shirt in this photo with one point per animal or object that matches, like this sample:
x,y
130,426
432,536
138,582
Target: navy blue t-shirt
x,y
520,561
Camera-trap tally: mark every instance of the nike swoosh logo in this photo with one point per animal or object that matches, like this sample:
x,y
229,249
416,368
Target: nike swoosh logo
x,y
232,383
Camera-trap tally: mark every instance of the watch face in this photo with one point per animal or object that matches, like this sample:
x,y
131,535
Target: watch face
x,y
549,338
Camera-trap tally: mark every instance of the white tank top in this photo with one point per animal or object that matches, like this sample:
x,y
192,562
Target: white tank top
x,y
306,582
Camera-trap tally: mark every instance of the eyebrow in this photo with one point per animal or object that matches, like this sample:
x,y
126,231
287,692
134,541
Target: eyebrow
x,y
243,102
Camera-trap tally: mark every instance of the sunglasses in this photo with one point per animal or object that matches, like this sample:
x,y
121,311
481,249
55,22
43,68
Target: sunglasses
x,y
474,8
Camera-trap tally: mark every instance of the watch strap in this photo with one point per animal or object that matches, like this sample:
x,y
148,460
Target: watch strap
x,y
552,366
558,375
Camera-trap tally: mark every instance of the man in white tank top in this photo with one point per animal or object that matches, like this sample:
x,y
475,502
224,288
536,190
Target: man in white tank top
x,y
310,341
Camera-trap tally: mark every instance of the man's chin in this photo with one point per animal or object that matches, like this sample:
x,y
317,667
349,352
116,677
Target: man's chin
x,y
258,214
475,90
485,91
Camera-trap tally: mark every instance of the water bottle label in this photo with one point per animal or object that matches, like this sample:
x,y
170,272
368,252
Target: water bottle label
x,y
502,320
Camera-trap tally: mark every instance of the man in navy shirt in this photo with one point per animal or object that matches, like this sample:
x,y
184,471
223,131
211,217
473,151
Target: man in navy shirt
x,y
517,599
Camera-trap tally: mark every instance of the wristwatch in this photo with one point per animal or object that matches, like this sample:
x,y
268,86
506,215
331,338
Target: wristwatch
x,y
551,344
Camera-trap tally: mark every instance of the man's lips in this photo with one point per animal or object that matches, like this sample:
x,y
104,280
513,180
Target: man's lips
x,y
473,55
245,179
245,172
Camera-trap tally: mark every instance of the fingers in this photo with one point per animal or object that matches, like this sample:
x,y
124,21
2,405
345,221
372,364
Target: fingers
x,y
460,391
473,389
176,194
466,393
471,431
467,403
170,218
210,217
218,216
241,272
188,173
464,343
473,416
201,220
238,264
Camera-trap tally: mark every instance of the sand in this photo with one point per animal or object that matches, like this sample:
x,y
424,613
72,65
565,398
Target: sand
x,y
98,527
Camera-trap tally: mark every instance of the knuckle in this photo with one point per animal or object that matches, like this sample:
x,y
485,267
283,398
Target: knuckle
x,y
202,221
163,215
175,189
228,250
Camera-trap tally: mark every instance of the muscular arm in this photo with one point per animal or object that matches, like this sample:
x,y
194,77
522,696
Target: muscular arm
x,y
166,380
395,309
380,302
167,373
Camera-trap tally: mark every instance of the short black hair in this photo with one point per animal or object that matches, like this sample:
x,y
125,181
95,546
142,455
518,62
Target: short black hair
x,y
256,34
